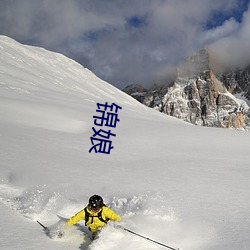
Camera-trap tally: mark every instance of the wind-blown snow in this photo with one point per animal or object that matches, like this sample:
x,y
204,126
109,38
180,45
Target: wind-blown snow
x,y
179,184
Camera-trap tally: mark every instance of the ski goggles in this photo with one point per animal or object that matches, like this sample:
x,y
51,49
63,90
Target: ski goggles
x,y
94,208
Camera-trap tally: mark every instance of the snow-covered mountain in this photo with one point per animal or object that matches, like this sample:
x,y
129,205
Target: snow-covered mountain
x,y
183,185
237,81
201,96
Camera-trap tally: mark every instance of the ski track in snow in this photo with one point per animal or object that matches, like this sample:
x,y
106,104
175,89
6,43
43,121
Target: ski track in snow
x,y
144,214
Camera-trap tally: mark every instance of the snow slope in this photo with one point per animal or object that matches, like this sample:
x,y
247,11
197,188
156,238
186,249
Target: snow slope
x,y
173,182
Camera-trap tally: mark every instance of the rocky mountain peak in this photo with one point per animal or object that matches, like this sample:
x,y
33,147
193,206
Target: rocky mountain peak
x,y
196,64
200,96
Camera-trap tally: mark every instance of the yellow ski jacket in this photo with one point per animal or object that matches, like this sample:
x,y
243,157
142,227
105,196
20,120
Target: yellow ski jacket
x,y
94,223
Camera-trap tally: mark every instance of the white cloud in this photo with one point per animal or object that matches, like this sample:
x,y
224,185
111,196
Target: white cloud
x,y
233,50
97,32
228,28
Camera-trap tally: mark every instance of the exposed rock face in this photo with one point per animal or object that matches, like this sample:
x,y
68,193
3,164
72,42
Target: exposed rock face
x,y
199,97
237,81
137,91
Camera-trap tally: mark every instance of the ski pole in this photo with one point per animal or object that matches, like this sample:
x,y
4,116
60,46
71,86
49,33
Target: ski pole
x,y
45,228
146,238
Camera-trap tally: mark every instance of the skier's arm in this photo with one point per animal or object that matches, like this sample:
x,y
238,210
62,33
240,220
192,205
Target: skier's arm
x,y
77,217
110,214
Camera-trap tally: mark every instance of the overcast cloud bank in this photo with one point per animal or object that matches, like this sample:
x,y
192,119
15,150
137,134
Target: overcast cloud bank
x,y
134,41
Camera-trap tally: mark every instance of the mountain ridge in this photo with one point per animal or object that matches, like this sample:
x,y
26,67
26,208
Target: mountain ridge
x,y
200,95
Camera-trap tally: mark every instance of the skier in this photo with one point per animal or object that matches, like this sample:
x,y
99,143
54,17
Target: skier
x,y
95,214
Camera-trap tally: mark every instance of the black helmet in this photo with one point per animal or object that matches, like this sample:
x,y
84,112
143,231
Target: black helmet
x,y
95,202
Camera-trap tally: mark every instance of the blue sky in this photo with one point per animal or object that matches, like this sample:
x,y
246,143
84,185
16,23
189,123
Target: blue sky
x,y
131,41
218,17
